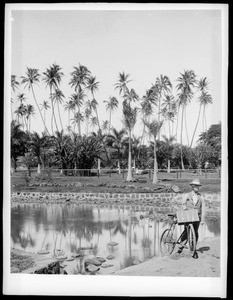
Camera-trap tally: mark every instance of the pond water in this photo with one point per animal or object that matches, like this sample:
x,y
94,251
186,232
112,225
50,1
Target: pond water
x,y
87,230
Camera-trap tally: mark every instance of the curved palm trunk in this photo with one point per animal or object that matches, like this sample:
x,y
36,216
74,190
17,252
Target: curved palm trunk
x,y
199,113
142,139
155,177
129,174
53,117
110,117
177,122
181,134
186,125
39,109
58,107
205,119
79,123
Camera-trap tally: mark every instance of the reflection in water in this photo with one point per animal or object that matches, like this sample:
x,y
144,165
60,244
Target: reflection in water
x,y
84,231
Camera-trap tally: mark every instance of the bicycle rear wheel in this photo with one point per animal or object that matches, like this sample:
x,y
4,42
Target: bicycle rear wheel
x,y
167,242
191,238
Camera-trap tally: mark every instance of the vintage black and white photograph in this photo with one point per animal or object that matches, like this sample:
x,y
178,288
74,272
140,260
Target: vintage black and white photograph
x,y
115,156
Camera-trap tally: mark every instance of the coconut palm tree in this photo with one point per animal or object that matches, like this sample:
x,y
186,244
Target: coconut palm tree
x,y
52,78
79,77
129,113
111,104
169,106
121,85
154,128
93,86
168,143
30,111
204,99
70,106
105,126
116,141
78,119
14,86
32,77
163,86
77,99
14,83
187,81
36,145
146,110
129,120
61,143
18,142
93,121
87,114
45,106
57,98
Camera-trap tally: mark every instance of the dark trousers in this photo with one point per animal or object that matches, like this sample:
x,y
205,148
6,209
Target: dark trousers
x,y
184,233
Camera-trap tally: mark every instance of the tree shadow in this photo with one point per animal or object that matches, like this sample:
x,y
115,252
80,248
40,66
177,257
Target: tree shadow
x,y
203,249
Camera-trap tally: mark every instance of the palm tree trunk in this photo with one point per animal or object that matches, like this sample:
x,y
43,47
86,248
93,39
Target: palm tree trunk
x,y
58,107
198,117
39,109
119,166
181,132
177,122
155,177
79,123
205,119
109,126
129,174
169,166
142,139
186,125
159,113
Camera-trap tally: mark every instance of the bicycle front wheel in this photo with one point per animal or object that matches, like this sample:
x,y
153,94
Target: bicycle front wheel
x,y
191,238
167,242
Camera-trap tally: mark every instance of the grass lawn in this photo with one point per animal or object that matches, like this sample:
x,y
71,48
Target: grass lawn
x,y
112,183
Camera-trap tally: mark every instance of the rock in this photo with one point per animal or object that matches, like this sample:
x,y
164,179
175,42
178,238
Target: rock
x,y
76,255
110,256
92,268
106,265
71,258
175,189
42,252
86,248
101,259
92,261
112,244
61,258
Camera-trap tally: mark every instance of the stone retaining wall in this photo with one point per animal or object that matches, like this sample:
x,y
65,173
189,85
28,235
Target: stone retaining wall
x,y
151,199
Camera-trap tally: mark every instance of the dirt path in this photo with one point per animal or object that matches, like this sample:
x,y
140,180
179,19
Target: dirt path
x,y
207,264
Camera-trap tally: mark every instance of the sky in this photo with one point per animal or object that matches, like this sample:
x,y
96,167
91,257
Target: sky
x,y
143,43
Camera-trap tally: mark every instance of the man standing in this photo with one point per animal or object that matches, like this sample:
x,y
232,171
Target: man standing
x,y
194,200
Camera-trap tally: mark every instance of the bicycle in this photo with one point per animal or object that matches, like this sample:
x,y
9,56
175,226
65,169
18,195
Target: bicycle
x,y
168,239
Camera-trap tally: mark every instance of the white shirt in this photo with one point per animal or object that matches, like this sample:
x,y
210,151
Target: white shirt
x,y
195,197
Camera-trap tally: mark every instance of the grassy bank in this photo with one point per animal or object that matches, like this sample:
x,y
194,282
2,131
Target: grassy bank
x,y
114,183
